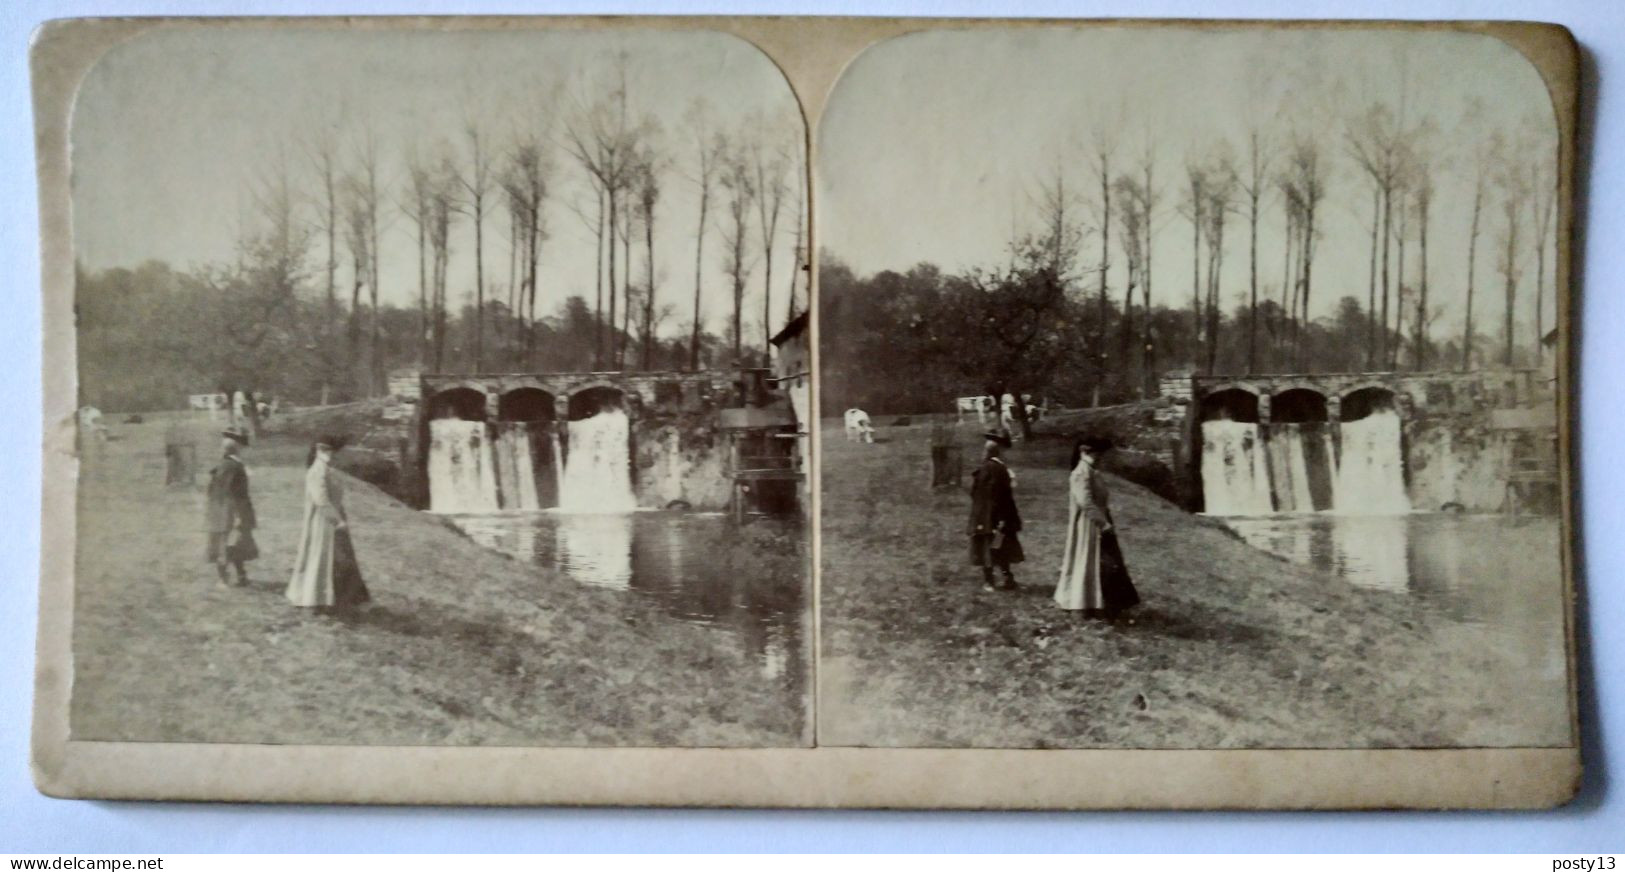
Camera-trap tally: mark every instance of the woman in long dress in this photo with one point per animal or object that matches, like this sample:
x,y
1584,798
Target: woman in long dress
x,y
1094,578
325,574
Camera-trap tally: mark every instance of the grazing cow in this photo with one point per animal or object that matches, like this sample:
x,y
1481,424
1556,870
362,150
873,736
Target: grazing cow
x,y
980,405
90,421
858,428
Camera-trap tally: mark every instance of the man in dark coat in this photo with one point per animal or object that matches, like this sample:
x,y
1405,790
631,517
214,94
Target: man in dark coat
x,y
994,520
230,511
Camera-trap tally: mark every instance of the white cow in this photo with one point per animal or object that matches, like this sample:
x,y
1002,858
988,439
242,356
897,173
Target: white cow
x,y
90,421
858,428
980,405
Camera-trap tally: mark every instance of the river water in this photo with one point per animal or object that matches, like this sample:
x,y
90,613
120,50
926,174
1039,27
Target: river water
x,y
1496,579
665,558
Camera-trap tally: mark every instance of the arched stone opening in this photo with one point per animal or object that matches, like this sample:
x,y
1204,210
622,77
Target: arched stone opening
x,y
1230,404
1298,406
467,404
1362,402
526,404
590,401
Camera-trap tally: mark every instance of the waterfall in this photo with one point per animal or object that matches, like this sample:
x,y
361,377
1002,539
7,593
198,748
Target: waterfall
x,y
1235,472
598,472
462,468
1371,476
516,466
1289,468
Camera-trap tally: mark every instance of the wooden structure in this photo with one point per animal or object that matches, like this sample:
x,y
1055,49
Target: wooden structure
x,y
763,460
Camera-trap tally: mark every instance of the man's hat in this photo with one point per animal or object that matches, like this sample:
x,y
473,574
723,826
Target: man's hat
x,y
235,435
996,436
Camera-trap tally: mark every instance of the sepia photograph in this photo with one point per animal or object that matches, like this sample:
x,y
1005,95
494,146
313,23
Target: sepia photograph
x,y
440,387
1192,388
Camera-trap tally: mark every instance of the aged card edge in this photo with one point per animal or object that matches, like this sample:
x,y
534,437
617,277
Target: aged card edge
x,y
811,53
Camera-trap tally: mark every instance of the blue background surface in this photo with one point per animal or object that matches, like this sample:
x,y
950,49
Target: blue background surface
x,y
30,822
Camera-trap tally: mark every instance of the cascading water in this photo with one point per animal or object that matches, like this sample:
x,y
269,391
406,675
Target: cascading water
x,y
1289,469
1235,473
1371,476
516,466
462,468
597,473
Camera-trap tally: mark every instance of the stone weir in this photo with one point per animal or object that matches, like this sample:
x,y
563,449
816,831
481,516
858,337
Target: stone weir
x,y
676,452
1476,441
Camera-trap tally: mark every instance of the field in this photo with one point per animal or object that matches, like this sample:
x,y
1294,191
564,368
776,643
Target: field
x,y
1232,648
461,646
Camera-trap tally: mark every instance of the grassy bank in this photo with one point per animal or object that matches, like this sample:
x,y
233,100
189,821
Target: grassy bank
x,y
460,646
1232,647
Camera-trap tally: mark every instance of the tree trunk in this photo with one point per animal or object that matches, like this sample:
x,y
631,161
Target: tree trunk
x,y
614,339
1472,262
598,306
1196,284
1387,231
649,293
1105,264
479,283
1252,308
699,264
1371,292
1420,356
626,297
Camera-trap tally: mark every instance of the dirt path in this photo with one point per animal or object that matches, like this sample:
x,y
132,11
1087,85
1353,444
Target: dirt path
x,y
461,645
1232,648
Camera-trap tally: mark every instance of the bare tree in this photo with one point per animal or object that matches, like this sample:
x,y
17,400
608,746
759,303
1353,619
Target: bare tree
x,y
321,148
647,189
525,179
1102,147
1543,200
1194,208
767,162
475,179
1148,205
1422,192
1221,192
708,155
358,239
415,205
1377,141
1260,155
1306,165
442,205
741,192
1133,218
601,137
1511,177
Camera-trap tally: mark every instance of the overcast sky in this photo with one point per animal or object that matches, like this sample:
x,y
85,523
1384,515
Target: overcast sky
x,y
934,145
169,130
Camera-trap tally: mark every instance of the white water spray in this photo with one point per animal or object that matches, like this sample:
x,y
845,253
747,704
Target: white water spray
x,y
1371,475
1235,475
462,468
598,474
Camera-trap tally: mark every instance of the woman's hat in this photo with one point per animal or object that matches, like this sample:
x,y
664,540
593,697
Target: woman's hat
x,y
996,436
1096,443
235,435
331,441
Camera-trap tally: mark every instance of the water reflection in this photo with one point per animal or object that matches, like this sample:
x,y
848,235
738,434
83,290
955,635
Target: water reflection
x,y
1497,579
665,557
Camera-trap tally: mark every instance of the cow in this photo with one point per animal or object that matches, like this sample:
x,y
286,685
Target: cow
x,y
980,405
90,421
858,428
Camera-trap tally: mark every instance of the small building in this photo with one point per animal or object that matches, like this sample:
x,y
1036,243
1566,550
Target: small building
x,y
792,374
764,458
